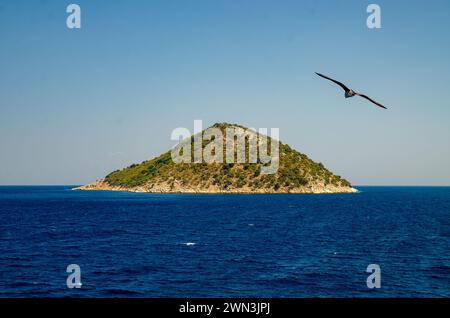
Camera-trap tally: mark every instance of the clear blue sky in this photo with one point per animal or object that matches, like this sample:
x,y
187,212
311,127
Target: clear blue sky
x,y
77,104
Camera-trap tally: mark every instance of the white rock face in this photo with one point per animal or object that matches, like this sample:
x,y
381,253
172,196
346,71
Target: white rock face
x,y
166,188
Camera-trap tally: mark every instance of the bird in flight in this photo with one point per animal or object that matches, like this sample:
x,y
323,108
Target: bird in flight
x,y
349,92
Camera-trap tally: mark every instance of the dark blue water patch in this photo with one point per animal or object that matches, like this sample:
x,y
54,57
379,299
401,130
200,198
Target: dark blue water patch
x,y
186,245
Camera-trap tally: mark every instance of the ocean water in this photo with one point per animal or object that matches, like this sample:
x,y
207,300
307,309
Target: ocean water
x,y
172,245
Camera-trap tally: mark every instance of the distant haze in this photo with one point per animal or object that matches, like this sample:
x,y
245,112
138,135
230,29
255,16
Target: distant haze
x,y
78,104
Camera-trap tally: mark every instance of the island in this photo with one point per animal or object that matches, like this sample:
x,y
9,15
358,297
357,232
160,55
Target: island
x,y
295,172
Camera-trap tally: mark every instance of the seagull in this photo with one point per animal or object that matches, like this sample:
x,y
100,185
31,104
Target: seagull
x,y
349,92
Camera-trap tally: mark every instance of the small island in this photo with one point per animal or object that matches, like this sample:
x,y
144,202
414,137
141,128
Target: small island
x,y
296,173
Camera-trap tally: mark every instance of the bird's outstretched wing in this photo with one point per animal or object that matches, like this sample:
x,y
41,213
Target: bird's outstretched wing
x,y
334,81
368,98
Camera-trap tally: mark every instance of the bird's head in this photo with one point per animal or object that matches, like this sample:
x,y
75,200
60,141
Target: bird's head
x,y
350,93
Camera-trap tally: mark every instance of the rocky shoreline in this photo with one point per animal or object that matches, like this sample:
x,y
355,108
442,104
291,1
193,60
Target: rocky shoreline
x,y
177,188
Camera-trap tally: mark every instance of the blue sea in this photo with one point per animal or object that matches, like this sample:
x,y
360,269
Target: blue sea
x,y
183,245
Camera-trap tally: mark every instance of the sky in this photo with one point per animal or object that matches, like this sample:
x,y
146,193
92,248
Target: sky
x,y
76,104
